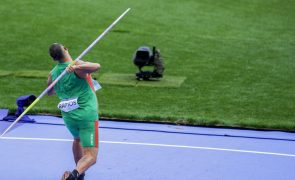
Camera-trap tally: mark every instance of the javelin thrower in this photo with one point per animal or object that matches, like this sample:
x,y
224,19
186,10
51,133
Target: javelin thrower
x,y
71,81
78,106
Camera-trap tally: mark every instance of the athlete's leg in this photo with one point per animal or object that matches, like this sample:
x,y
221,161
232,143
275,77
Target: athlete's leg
x,y
88,159
88,133
77,150
89,142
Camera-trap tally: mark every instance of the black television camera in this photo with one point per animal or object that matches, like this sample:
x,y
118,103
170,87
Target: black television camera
x,y
144,56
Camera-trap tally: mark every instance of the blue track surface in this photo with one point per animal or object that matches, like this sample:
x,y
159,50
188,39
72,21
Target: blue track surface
x,y
139,151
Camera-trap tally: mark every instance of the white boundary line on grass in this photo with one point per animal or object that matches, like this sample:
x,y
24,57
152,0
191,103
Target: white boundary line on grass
x,y
157,145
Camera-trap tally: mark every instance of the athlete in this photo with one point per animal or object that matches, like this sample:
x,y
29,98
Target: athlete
x,y
78,105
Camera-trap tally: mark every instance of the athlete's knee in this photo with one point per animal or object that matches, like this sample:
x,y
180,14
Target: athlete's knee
x,y
92,158
91,153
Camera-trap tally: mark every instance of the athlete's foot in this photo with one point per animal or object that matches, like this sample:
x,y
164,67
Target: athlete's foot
x,y
74,175
66,175
81,177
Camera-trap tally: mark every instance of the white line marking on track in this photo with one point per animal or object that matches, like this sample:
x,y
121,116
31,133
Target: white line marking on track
x,y
157,145
35,139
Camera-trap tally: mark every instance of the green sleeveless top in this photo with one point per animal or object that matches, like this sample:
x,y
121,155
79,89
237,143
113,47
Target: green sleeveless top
x,y
71,86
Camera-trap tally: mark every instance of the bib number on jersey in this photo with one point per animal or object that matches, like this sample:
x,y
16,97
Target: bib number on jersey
x,y
68,105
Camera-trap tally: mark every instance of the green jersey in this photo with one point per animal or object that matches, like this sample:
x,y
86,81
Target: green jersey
x,y
73,87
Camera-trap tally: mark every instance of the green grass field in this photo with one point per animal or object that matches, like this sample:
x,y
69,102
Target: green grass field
x,y
237,57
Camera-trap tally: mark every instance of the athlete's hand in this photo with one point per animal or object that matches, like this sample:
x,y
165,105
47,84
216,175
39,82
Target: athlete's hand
x,y
71,68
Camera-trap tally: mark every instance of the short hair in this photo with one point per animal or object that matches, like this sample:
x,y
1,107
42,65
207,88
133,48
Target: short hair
x,y
56,52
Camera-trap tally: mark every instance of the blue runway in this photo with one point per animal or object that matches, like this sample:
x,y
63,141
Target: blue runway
x,y
141,151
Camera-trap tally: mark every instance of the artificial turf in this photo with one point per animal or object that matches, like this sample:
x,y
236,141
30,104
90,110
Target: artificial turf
x,y
237,57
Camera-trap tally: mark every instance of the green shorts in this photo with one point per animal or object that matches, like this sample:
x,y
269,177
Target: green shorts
x,y
86,131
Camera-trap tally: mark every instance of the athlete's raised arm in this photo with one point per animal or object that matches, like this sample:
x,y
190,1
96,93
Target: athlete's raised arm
x,y
82,68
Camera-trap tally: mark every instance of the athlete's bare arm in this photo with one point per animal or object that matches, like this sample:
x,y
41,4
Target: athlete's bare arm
x,y
82,68
49,81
